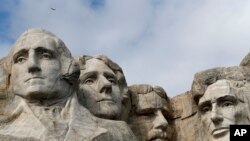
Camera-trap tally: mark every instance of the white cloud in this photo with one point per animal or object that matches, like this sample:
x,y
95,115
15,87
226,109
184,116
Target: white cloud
x,y
154,41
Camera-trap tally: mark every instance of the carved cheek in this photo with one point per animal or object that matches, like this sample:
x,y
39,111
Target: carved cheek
x,y
206,119
116,94
89,92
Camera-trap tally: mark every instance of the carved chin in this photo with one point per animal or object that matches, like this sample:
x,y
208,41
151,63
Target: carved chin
x,y
108,111
35,92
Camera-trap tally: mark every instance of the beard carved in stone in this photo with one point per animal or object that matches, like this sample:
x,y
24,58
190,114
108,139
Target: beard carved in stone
x,y
149,116
221,106
100,90
36,68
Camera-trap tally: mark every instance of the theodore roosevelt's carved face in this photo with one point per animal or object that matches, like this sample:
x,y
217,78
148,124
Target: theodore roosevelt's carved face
x,y
149,120
220,107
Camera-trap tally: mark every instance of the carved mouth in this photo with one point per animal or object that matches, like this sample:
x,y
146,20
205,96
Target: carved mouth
x,y
220,131
36,77
105,99
158,137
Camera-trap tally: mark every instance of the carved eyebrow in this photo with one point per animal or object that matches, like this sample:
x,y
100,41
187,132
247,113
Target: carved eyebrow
x,y
20,52
227,97
204,103
43,49
109,74
87,75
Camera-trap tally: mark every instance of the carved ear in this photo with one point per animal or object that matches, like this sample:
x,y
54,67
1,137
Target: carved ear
x,y
4,78
3,82
70,70
123,86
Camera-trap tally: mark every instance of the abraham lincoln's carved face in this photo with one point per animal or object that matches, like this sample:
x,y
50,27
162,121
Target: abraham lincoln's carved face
x,y
220,107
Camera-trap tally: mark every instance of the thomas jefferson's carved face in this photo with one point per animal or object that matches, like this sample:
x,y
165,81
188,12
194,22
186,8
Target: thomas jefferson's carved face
x,y
36,68
149,121
100,90
219,107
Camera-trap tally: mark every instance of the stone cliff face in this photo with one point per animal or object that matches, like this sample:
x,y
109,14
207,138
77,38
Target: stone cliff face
x,y
47,95
187,125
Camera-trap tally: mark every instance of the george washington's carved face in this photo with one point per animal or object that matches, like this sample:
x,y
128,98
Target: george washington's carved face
x,y
220,107
100,90
36,68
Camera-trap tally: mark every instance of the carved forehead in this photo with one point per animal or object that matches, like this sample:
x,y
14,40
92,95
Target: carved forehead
x,y
220,86
219,89
146,88
34,42
83,60
97,65
40,37
37,35
202,80
109,63
150,101
149,97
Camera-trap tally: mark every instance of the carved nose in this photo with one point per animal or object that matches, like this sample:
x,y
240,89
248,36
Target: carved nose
x,y
33,65
105,86
216,116
160,121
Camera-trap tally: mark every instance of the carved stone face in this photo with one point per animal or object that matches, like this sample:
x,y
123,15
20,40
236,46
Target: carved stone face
x,y
148,121
36,68
100,90
219,107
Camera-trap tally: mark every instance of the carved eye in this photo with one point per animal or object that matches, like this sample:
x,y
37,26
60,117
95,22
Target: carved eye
x,y
205,109
20,59
46,55
112,80
89,81
227,103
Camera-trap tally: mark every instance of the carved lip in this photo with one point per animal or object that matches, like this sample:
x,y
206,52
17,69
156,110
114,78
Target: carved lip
x,y
220,130
36,77
105,99
158,139
159,136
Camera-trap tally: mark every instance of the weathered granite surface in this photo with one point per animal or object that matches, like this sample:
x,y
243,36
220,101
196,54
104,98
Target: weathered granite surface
x,y
186,121
222,97
42,102
150,117
102,87
47,95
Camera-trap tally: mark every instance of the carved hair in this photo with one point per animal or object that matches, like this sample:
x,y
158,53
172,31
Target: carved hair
x,y
3,79
238,75
145,89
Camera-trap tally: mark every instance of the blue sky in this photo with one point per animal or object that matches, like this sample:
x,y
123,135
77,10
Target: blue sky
x,y
159,42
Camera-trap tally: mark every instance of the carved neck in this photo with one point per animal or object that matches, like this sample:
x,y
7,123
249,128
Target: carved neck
x,y
47,102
